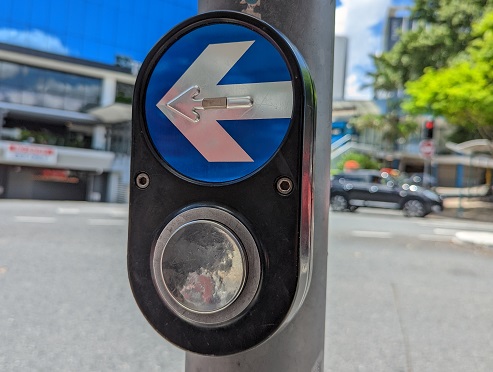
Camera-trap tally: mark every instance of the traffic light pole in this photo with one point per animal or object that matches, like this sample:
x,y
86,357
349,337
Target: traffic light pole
x,y
309,24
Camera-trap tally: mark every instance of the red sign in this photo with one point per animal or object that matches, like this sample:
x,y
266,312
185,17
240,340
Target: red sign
x,y
31,153
427,148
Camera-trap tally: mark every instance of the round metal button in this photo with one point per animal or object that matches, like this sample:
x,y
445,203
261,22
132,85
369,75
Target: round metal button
x,y
203,266
206,266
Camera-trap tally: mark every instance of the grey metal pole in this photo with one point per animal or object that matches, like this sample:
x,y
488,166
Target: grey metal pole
x,y
309,24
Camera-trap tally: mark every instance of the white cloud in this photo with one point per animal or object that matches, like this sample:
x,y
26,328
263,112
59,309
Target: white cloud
x,y
354,19
353,88
35,39
9,70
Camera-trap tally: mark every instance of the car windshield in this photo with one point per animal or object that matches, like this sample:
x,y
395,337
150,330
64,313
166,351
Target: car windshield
x,y
393,178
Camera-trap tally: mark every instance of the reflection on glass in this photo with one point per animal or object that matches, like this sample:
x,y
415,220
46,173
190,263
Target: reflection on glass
x,y
124,92
41,87
203,266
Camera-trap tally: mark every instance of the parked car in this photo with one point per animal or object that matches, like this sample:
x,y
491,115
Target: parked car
x,y
372,188
422,179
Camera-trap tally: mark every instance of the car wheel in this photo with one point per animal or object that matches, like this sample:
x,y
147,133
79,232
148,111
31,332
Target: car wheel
x,y
414,208
339,203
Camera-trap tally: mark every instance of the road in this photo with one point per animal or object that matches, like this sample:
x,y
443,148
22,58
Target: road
x,y
403,295
66,302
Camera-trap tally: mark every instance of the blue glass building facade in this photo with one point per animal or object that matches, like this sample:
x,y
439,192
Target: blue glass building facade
x,y
91,29
28,85
67,70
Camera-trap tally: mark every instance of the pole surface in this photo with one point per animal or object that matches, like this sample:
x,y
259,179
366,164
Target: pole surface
x,y
309,24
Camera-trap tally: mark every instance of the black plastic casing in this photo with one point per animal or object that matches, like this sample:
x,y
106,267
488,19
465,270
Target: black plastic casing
x,y
274,220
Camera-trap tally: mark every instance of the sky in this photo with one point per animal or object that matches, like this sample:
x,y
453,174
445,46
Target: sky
x,y
362,21
91,29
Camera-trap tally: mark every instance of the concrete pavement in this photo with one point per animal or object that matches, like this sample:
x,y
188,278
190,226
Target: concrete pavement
x,y
469,204
475,237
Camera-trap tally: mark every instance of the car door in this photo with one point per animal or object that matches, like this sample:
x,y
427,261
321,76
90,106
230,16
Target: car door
x,y
357,189
384,191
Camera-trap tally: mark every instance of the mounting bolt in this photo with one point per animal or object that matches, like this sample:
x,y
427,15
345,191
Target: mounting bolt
x,y
284,186
142,180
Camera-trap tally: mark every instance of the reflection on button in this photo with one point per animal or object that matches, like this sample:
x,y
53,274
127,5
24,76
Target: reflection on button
x,y
203,266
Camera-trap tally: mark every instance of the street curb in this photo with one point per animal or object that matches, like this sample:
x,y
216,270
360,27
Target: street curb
x,y
475,237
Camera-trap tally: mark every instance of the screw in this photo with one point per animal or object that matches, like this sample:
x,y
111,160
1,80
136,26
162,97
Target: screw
x,y
284,186
142,180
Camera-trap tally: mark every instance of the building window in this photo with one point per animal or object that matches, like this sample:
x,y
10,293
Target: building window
x,y
121,139
124,93
47,88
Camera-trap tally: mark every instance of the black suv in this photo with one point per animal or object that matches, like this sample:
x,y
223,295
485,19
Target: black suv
x,y
368,188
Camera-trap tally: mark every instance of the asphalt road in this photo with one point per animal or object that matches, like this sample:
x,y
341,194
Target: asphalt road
x,y
403,295
66,302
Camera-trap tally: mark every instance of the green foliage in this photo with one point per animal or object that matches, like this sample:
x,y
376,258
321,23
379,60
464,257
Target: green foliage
x,y
442,31
44,137
462,92
365,161
391,127
462,134
123,99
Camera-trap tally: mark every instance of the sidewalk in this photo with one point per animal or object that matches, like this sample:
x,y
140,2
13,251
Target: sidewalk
x,y
476,208
469,204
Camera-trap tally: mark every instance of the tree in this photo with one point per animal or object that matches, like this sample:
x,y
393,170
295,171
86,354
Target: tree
x,y
364,161
462,92
392,126
440,32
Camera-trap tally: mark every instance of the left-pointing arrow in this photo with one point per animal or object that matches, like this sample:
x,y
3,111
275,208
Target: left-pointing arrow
x,y
187,105
196,102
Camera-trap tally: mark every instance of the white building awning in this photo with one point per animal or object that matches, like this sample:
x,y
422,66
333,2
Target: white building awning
x,y
34,155
114,113
47,113
472,147
348,109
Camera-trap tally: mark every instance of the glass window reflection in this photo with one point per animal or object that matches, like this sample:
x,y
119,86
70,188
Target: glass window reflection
x,y
41,87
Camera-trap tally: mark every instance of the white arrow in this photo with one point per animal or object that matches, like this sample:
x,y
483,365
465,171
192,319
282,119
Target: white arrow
x,y
196,102
187,105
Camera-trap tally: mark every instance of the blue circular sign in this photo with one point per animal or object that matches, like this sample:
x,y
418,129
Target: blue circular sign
x,y
219,103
